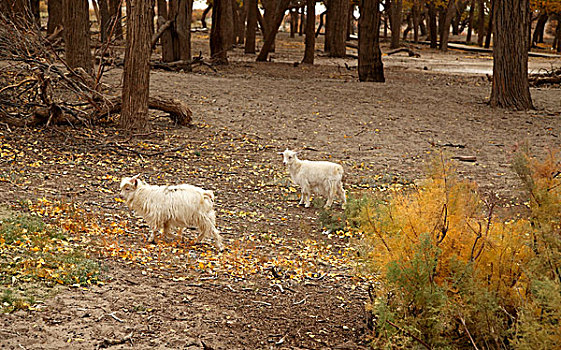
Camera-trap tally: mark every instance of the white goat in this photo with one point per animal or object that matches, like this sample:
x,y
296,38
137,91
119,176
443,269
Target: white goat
x,y
319,177
166,207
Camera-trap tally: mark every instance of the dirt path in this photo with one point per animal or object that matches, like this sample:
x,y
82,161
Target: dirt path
x,y
282,284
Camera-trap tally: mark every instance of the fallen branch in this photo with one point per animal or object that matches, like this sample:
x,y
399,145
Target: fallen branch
x,y
404,49
110,342
160,32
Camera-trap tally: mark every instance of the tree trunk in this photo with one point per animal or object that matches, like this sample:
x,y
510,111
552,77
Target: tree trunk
x,y
76,19
321,22
270,9
310,32
327,41
166,38
395,22
301,26
433,30
537,37
227,25
238,22
416,14
293,22
54,10
136,73
470,21
180,11
270,38
203,16
558,34
445,31
115,6
480,22
338,22
218,42
105,16
251,26
490,25
370,67
510,55
409,21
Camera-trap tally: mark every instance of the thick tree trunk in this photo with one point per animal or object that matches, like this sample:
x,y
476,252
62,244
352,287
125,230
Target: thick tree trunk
x,y
481,22
218,41
293,22
270,38
181,11
470,21
327,41
310,32
227,25
433,30
303,23
54,10
136,74
76,19
338,22
370,67
238,23
416,14
115,7
445,31
490,25
395,22
251,26
558,34
510,55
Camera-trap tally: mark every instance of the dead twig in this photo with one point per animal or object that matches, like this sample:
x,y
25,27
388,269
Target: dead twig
x,y
110,342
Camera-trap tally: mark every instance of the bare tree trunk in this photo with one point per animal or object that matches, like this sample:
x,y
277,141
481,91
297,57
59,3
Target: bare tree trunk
x,y
136,74
115,6
481,22
237,22
510,55
76,19
537,37
218,41
433,30
470,21
370,67
181,10
227,25
416,14
203,16
558,34
321,22
54,10
270,38
337,22
293,22
395,22
166,38
105,17
327,41
490,25
310,32
251,26
409,21
301,28
445,31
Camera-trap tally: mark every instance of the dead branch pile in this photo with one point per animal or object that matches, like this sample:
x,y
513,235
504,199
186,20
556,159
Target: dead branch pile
x,y
552,77
38,88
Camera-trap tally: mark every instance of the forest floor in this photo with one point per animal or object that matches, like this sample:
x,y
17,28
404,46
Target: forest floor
x,y
283,282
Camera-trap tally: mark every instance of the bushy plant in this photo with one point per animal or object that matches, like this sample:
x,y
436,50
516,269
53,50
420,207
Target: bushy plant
x,y
455,272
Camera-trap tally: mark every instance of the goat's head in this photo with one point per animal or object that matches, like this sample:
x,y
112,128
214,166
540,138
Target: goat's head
x,y
289,156
129,185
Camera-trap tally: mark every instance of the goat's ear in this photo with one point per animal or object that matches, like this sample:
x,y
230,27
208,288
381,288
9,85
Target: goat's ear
x,y
135,177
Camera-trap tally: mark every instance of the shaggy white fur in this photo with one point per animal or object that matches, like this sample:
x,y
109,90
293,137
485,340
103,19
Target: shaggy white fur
x,y
319,177
166,207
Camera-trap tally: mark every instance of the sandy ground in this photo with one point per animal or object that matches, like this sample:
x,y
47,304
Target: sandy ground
x,y
243,115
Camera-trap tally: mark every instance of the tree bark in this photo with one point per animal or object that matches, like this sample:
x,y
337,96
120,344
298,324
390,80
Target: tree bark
x,y
303,23
370,67
105,17
510,55
136,74
166,38
270,38
445,30
416,14
54,10
395,22
293,22
115,7
337,22
470,21
251,27
218,48
490,25
76,19
537,37
203,16
181,11
310,32
433,30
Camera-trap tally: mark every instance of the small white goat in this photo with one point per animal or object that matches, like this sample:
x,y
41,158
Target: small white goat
x,y
319,177
166,207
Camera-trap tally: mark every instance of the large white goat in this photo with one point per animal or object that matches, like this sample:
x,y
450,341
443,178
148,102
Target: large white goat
x,y
166,207
319,177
